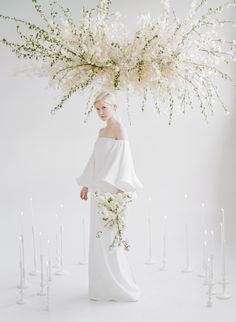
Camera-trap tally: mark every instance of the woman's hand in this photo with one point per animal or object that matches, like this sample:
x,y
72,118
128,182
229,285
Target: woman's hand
x,y
84,193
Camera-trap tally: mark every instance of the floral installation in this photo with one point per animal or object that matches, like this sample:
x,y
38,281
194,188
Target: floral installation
x,y
113,211
174,61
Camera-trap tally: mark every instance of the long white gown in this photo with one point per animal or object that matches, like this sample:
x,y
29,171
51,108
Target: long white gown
x,y
110,167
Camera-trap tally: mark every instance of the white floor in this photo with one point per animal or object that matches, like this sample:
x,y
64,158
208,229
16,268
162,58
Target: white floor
x,y
167,296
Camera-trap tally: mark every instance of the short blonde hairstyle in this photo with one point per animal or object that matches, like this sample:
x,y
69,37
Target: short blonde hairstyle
x,y
107,97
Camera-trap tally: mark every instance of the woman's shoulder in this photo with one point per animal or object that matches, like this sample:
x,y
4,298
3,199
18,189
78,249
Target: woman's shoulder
x,y
121,131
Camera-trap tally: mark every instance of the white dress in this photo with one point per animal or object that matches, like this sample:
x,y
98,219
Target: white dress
x,y
110,167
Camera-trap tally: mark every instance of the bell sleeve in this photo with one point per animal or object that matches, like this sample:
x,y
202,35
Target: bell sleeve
x,y
118,169
85,179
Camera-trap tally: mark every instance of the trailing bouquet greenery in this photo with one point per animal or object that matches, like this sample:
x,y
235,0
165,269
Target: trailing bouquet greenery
x,y
173,60
113,211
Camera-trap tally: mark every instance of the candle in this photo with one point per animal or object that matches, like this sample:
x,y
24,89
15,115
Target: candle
x,y
150,260
223,223
56,265
48,285
163,265
32,210
212,241
21,221
41,243
20,263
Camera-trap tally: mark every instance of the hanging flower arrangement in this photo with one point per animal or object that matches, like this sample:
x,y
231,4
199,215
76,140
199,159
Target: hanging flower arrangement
x,y
174,61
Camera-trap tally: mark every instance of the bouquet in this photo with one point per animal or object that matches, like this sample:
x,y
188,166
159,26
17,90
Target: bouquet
x,y
113,211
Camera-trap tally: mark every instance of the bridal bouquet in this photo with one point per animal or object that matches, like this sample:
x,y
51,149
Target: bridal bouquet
x,y
112,209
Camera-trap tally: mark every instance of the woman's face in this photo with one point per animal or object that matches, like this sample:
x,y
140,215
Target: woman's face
x,y
104,109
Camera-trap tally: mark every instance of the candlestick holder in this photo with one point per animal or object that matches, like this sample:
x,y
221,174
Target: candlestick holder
x,y
204,257
42,285
210,281
61,270
84,260
48,287
163,266
35,271
25,283
223,295
188,268
22,298
57,255
150,260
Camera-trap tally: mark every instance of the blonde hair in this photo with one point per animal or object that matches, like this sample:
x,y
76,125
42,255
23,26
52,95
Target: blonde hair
x,y
107,97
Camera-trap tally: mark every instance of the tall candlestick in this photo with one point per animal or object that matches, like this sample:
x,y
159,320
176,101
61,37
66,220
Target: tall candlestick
x,y
57,257
42,285
204,256
35,271
150,260
48,286
187,269
22,240
209,280
61,270
49,261
83,261
22,299
223,295
163,266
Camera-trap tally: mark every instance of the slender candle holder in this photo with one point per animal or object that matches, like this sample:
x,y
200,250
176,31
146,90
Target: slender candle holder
x,y
22,298
42,285
223,295
57,256
84,260
150,260
188,268
163,266
35,271
48,286
204,257
49,263
25,283
61,270
210,280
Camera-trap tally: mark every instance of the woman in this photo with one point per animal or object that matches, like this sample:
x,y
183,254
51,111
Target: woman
x,y
109,169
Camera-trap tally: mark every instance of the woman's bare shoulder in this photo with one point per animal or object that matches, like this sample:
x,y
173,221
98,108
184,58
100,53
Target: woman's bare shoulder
x,y
121,132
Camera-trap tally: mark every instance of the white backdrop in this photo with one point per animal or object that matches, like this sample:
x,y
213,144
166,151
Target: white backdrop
x,y
42,154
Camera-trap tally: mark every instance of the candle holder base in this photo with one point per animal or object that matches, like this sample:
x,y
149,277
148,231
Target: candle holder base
x,y
21,301
201,275
209,304
61,272
213,292
25,285
187,270
41,293
163,268
83,261
223,296
150,261
34,273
